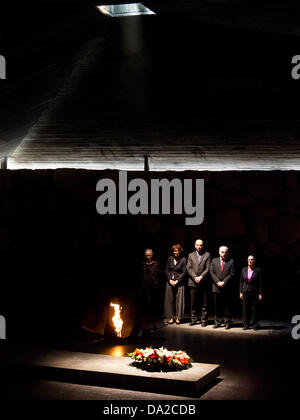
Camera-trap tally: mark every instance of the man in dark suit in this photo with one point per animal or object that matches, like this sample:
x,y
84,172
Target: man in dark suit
x,y
198,269
222,272
250,293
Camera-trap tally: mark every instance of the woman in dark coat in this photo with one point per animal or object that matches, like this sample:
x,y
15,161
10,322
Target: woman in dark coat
x,y
175,275
250,293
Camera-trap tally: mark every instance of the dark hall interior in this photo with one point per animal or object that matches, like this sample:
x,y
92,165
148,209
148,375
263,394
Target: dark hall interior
x,y
200,90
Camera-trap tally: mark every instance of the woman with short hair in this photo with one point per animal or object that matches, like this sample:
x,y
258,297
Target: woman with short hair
x,y
175,275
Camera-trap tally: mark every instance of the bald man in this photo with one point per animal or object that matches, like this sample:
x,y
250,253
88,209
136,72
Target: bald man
x,y
222,272
198,269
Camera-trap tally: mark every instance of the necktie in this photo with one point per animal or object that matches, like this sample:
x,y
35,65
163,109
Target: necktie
x,y
222,265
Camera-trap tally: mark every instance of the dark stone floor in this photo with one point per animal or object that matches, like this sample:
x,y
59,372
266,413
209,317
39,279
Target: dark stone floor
x,y
255,365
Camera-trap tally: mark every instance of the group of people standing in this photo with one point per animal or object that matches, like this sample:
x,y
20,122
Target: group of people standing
x,y
199,272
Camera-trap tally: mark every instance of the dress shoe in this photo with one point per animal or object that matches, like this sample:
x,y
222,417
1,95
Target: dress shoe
x,y
192,323
203,324
227,326
216,326
171,321
178,322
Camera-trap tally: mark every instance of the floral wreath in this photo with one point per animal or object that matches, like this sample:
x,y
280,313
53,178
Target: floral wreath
x,y
160,359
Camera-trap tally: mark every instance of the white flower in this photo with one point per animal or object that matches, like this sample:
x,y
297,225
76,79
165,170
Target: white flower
x,y
163,356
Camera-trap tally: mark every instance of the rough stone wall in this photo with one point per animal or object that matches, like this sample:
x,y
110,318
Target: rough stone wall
x,y
57,252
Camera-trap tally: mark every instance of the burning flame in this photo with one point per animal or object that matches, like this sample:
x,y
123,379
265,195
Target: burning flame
x,y
117,320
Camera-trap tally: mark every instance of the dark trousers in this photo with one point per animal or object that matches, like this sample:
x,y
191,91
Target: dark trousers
x,y
198,301
222,302
150,305
250,314
174,301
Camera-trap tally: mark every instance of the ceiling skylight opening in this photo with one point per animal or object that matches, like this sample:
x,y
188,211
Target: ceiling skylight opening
x,y
124,10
